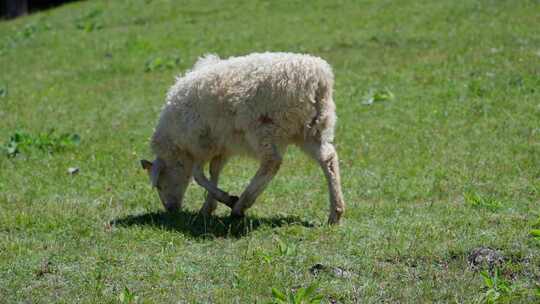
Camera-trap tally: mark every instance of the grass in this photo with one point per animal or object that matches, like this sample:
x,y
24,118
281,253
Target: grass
x,y
444,159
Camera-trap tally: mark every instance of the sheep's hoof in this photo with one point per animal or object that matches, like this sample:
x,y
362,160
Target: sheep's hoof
x,y
234,199
206,212
171,209
231,201
237,216
334,220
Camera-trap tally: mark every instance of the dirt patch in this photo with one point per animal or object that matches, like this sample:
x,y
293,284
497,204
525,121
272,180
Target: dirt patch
x,y
482,257
45,268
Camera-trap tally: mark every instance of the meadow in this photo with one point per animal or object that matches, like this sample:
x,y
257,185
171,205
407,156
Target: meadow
x,y
438,136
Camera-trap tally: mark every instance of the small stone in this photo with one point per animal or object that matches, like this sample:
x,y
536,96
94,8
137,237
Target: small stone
x,y
73,170
341,273
315,269
337,272
368,101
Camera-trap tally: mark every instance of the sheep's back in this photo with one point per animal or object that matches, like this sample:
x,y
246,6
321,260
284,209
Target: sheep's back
x,y
278,91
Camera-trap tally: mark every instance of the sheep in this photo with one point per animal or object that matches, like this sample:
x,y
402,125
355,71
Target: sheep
x,y
253,105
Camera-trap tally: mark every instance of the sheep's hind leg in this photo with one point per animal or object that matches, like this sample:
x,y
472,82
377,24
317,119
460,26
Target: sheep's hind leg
x,y
269,166
210,205
327,157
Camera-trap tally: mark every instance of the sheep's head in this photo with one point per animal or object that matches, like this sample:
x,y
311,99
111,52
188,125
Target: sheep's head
x,y
170,179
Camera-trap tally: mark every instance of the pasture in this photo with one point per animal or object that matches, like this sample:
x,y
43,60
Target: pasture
x,y
438,134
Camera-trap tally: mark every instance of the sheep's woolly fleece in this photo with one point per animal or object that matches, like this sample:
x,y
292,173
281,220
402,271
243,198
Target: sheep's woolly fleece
x,y
235,105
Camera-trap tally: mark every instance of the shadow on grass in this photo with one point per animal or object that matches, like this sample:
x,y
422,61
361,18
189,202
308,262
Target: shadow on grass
x,y
198,226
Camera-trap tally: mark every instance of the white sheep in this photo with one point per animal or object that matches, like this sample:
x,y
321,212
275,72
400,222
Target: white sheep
x,y
253,105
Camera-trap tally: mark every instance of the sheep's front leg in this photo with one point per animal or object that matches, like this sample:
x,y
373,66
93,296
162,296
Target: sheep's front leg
x,y
210,205
327,157
212,189
270,163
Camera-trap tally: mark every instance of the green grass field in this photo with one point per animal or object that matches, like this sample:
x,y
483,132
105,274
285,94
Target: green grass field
x,y
450,164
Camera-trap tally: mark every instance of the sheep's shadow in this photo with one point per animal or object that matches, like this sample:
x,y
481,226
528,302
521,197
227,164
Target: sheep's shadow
x,y
198,226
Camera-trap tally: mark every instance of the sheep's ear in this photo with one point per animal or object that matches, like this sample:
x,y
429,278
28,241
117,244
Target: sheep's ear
x,y
146,164
157,166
